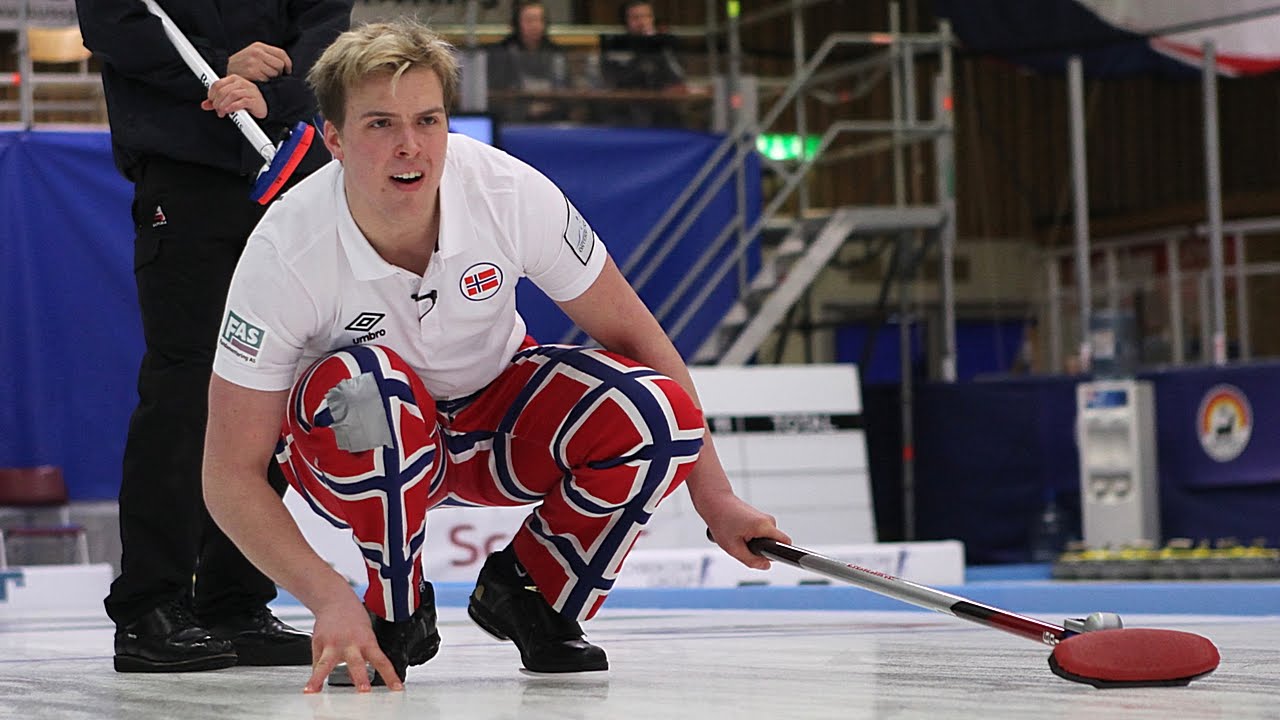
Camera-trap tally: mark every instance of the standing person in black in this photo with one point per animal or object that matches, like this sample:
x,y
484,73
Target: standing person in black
x,y
192,171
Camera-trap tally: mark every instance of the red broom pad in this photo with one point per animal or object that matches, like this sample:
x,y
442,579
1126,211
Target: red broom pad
x,y
1134,657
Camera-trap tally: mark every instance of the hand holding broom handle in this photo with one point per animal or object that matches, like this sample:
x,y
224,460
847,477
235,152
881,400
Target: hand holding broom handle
x,y
280,162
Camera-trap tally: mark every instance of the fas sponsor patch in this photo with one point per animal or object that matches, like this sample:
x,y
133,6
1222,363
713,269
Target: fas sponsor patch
x,y
241,337
579,234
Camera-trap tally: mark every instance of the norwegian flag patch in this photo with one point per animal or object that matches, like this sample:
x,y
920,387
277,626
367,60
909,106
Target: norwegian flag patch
x,y
481,281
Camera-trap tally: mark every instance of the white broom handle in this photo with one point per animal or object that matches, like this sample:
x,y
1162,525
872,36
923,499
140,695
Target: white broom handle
x,y
909,592
242,119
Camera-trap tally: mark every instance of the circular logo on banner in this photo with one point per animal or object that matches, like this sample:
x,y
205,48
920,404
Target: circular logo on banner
x,y
481,281
1224,423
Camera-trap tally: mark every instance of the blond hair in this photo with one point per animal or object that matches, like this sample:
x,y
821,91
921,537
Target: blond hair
x,y
374,48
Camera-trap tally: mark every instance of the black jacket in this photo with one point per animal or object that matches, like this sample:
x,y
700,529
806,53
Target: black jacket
x,y
153,98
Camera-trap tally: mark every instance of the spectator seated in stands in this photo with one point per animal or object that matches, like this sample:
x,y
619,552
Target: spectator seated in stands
x,y
641,59
528,60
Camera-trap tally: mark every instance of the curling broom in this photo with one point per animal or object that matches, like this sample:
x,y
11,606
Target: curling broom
x,y
280,161
1096,650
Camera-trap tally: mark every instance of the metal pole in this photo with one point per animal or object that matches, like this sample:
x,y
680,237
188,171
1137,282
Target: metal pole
x,y
802,131
1242,299
1173,250
26,73
1054,292
802,126
1206,317
713,39
944,159
735,121
908,428
1079,177
895,87
472,19
1213,190
909,108
734,63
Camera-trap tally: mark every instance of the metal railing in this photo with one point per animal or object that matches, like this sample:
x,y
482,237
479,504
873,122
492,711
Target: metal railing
x,y
1170,308
727,162
23,18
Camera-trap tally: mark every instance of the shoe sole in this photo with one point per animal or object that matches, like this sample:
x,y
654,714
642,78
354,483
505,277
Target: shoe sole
x,y
487,625
575,677
135,664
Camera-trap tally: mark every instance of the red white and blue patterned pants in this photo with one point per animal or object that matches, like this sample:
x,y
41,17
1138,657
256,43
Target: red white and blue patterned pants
x,y
594,440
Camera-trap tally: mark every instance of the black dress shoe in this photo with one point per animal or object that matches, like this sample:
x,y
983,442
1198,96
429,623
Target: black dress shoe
x,y
260,639
411,642
168,639
509,607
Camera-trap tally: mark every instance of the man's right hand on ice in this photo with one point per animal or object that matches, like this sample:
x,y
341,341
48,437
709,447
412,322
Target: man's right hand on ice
x,y
342,634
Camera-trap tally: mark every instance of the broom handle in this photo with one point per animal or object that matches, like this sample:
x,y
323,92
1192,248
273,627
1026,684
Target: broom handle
x,y
243,120
909,592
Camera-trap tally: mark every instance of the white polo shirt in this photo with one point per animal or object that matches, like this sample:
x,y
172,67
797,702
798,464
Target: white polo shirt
x,y
310,283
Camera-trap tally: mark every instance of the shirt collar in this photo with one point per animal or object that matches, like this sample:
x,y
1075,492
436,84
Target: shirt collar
x,y
366,263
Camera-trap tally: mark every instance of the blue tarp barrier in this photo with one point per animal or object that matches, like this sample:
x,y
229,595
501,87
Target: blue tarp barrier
x,y
71,339
70,343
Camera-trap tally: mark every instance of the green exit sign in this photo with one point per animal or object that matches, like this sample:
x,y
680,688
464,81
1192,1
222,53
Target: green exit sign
x,y
787,146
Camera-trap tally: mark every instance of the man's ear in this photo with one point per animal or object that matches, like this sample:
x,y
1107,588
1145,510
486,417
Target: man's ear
x,y
333,140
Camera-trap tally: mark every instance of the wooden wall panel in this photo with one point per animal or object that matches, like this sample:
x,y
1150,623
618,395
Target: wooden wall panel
x,y
1144,134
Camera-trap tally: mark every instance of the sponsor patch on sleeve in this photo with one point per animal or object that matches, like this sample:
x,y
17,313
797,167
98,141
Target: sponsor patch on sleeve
x,y
242,338
579,234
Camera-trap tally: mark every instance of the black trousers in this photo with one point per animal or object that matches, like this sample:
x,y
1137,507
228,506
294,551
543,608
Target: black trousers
x,y
192,223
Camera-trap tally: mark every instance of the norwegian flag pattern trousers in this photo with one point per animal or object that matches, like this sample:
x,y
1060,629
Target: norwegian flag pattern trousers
x,y
594,441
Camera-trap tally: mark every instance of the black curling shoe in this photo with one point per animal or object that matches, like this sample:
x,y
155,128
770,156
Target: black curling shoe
x,y
168,639
260,639
509,607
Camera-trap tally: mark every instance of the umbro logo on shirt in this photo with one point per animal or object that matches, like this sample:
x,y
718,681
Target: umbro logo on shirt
x,y
365,323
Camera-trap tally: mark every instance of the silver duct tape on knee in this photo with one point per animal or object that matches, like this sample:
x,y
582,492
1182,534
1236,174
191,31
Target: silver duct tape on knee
x,y
359,419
